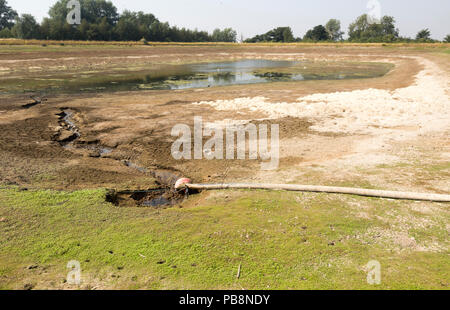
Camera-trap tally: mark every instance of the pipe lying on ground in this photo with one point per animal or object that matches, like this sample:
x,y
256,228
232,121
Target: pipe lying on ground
x,y
321,189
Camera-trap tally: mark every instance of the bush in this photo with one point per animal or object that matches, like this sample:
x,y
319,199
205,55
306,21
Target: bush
x,y
6,33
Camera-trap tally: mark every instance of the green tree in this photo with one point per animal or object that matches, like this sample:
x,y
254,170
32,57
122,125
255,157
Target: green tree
x,y
230,35
161,32
7,15
55,29
333,27
363,31
217,35
288,36
423,35
98,19
201,36
447,39
134,26
358,28
226,35
318,33
26,27
6,33
127,28
144,23
104,30
280,34
93,33
388,26
93,11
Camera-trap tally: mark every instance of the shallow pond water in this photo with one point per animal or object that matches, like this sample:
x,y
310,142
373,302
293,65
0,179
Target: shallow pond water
x,y
240,72
204,75
199,75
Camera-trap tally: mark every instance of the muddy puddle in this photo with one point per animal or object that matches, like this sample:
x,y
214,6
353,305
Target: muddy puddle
x,y
162,197
151,198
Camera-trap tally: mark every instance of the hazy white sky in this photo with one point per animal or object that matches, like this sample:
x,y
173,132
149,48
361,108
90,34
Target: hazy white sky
x,y
251,17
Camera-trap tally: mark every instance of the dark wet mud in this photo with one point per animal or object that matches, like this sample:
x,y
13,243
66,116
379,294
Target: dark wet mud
x,y
164,196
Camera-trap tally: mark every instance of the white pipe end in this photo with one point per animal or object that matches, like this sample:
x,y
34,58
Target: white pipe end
x,y
181,183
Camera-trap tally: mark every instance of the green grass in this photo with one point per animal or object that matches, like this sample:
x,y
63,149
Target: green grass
x,y
282,241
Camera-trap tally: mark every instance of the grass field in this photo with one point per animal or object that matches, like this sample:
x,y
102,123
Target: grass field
x,y
281,241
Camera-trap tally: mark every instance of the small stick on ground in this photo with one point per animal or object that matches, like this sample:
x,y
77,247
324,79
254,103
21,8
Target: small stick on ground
x,y
239,271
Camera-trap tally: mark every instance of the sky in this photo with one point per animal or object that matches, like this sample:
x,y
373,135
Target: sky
x,y
251,17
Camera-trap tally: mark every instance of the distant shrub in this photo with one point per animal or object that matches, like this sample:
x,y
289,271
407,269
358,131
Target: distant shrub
x,y
6,33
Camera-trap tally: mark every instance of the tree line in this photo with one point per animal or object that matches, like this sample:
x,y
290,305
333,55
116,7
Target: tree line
x,y
362,30
101,21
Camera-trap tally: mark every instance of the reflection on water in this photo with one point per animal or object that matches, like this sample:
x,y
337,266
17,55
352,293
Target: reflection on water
x,y
218,74
232,73
246,65
201,75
